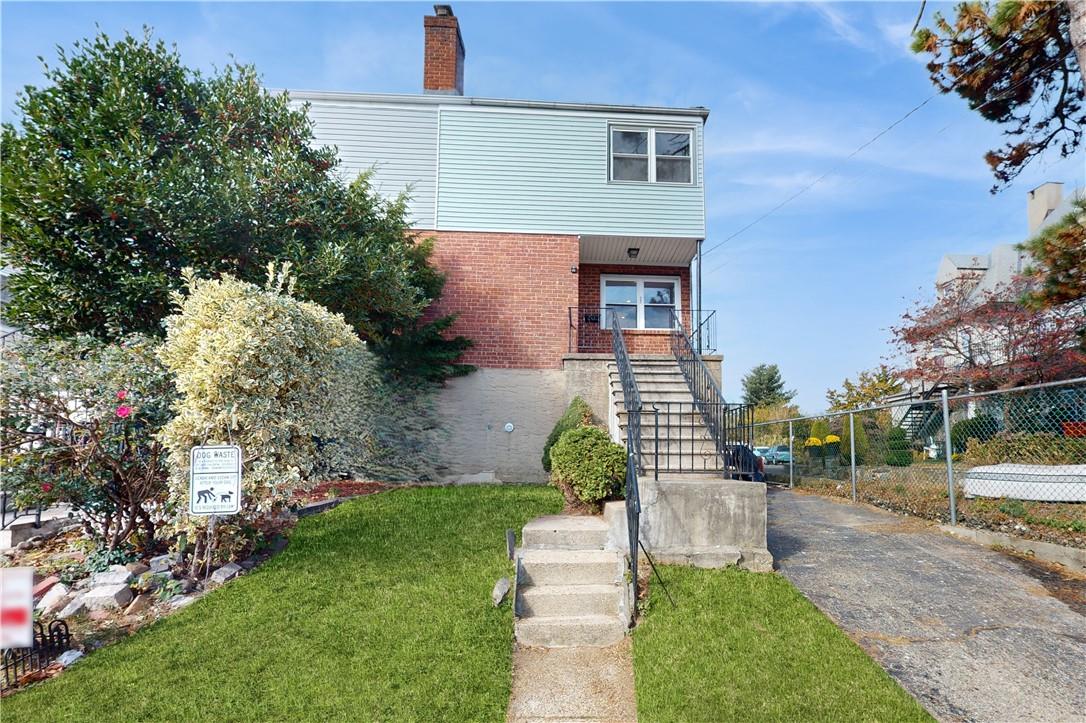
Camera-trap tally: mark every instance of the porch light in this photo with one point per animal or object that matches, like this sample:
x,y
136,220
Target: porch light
x,y
632,252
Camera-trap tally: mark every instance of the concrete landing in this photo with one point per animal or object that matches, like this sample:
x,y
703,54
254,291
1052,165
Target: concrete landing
x,y
573,684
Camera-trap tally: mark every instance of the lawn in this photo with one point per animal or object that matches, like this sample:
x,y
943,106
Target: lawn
x,y
377,610
748,646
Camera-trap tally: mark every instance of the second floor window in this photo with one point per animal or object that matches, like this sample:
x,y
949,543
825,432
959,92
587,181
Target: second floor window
x,y
652,155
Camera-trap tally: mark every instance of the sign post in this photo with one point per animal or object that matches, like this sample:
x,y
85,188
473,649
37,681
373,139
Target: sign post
x,y
215,480
214,486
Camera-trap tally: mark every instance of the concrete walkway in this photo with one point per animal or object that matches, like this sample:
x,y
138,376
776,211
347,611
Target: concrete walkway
x,y
968,631
573,684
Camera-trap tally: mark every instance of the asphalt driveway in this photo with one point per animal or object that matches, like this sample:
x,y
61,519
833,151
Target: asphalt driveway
x,y
967,630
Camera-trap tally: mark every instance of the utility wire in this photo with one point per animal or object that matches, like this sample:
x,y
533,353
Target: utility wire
x,y
1003,96
879,135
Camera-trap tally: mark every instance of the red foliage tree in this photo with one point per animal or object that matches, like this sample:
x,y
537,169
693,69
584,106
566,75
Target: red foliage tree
x,y
988,339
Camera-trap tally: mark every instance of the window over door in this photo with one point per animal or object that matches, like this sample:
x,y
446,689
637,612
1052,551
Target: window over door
x,y
652,155
640,302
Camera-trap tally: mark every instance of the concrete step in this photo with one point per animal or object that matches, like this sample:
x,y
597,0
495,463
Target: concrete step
x,y
675,397
686,464
661,373
569,567
675,446
659,384
679,434
566,532
564,600
675,419
594,631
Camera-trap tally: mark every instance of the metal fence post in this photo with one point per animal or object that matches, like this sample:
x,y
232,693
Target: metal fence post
x,y
948,452
852,450
791,462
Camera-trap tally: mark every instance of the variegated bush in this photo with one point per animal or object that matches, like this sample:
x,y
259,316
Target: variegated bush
x,y
254,367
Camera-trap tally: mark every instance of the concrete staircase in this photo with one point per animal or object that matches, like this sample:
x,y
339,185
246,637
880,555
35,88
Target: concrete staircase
x,y
685,445
569,586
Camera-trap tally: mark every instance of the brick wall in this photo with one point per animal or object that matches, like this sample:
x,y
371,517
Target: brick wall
x,y
511,293
443,60
637,342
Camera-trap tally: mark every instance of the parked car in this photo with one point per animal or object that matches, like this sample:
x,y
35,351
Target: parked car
x,y
778,455
761,451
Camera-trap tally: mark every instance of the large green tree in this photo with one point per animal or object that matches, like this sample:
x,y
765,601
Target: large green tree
x,y
870,387
763,387
1018,63
127,166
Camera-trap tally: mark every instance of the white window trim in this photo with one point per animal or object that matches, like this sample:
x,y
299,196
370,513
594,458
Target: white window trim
x,y
651,157
604,278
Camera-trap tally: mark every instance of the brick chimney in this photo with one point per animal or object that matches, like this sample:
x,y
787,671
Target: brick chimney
x,y
443,64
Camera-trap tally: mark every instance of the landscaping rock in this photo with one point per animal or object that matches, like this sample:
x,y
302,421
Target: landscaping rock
x,y
43,587
53,598
69,656
139,605
227,572
164,563
75,607
115,575
137,568
99,615
187,585
501,589
179,601
250,563
104,597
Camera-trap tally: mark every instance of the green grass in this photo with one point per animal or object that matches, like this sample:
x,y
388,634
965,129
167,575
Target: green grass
x,y
748,646
378,610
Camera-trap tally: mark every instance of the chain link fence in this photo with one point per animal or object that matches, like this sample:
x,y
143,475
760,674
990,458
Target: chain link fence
x,y
1016,462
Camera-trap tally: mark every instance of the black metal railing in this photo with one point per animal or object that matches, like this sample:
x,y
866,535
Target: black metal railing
x,y
9,512
589,329
631,400
49,643
680,439
730,426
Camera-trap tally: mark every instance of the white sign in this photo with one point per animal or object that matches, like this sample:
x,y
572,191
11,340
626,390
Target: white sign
x,y
215,480
16,599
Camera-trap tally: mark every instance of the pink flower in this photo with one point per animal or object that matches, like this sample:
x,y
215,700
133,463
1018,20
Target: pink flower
x,y
122,394
46,487
123,411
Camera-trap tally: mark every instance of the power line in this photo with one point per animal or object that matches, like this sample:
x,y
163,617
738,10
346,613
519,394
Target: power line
x,y
879,135
1002,96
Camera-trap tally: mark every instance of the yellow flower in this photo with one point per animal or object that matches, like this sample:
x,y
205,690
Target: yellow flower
x,y
832,439
813,442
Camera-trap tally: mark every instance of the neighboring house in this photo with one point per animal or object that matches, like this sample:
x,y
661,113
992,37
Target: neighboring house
x,y
543,213
983,274
1045,205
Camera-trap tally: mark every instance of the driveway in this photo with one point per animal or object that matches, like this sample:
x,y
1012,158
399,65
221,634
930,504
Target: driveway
x,y
970,632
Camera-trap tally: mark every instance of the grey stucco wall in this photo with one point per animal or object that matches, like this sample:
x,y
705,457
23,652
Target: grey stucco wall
x,y
586,377
473,412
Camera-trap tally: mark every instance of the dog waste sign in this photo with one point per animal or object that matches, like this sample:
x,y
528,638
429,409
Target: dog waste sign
x,y
215,480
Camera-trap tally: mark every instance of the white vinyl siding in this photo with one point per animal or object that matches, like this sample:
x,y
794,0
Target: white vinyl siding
x,y
398,142
548,172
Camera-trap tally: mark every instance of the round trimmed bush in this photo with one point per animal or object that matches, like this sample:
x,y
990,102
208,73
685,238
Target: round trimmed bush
x,y
577,414
587,462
